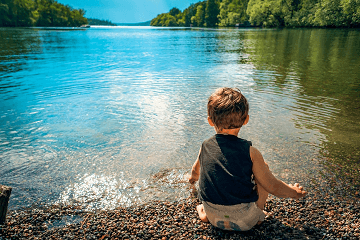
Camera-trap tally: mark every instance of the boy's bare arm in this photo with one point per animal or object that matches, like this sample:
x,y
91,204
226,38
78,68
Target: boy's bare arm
x,y
269,182
195,171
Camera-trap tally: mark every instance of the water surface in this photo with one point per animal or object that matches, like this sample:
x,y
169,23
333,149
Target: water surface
x,y
110,117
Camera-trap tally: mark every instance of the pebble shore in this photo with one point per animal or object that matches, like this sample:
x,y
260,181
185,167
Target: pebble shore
x,y
312,218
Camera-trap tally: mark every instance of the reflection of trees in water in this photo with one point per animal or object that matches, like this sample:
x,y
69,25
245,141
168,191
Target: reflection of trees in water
x,y
324,65
321,69
16,47
19,46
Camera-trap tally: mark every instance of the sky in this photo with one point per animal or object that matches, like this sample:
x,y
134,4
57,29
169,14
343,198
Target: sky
x,y
126,11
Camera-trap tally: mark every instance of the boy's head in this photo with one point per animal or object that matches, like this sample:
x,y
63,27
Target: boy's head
x,y
227,108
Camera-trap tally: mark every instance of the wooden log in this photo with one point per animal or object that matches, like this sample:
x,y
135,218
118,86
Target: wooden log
x,y
4,200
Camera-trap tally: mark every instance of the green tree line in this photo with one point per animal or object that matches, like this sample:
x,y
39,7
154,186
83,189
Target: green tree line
x,y
95,21
40,13
264,13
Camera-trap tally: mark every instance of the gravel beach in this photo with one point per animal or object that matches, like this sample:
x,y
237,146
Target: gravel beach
x,y
312,218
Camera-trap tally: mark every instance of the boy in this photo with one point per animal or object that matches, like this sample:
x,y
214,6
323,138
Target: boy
x,y
234,180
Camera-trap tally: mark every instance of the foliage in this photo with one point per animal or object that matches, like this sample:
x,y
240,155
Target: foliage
x,y
28,13
171,19
351,11
94,21
194,15
268,13
304,13
233,12
198,19
337,13
211,13
264,13
164,20
174,11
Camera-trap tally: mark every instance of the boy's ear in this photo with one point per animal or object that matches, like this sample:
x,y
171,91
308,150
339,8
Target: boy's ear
x,y
210,122
246,120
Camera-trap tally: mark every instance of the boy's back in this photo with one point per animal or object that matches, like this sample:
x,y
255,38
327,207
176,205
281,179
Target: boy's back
x,y
227,167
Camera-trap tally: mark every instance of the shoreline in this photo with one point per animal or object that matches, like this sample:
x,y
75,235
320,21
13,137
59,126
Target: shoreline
x,y
314,217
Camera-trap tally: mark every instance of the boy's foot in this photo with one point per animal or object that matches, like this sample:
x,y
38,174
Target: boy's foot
x,y
266,214
202,214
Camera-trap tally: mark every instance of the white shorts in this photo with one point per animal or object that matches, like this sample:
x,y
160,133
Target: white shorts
x,y
239,217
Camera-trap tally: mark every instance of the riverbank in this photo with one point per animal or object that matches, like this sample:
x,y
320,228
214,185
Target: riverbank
x,y
312,218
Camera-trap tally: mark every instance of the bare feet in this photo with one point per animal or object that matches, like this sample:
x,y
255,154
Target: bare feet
x,y
260,222
201,212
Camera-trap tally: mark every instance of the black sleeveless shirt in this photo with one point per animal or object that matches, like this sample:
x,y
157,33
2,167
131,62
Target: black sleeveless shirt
x,y
226,176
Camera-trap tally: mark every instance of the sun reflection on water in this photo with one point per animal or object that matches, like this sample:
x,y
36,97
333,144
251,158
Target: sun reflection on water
x,y
98,192
94,191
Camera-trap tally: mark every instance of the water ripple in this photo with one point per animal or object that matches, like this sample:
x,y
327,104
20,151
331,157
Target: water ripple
x,y
116,116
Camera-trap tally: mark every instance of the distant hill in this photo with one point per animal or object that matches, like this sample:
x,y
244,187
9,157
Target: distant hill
x,y
94,21
134,24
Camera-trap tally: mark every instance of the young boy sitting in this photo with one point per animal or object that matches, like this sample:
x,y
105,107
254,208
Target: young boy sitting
x,y
234,180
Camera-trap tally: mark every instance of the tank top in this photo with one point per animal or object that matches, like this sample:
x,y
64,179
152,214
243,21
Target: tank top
x,y
226,176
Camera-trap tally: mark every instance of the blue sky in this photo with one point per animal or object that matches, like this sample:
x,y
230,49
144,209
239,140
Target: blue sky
x,y
126,11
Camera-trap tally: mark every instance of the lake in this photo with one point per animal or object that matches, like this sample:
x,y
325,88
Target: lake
x,y
115,116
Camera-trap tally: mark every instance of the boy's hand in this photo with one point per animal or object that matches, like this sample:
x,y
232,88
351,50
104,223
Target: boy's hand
x,y
195,171
299,190
193,178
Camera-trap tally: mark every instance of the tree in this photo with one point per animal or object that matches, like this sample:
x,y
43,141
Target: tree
x,y
170,21
337,13
211,13
164,20
4,14
25,13
43,8
351,9
95,21
267,13
198,19
328,13
180,19
17,13
258,11
233,12
174,11
189,13
303,16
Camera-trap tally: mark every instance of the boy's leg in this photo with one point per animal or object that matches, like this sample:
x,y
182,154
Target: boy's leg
x,y
201,212
263,195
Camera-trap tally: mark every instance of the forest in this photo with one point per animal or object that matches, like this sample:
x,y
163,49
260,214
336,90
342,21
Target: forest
x,y
264,13
95,21
39,13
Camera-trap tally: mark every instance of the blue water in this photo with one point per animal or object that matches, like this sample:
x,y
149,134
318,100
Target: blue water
x,y
109,117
